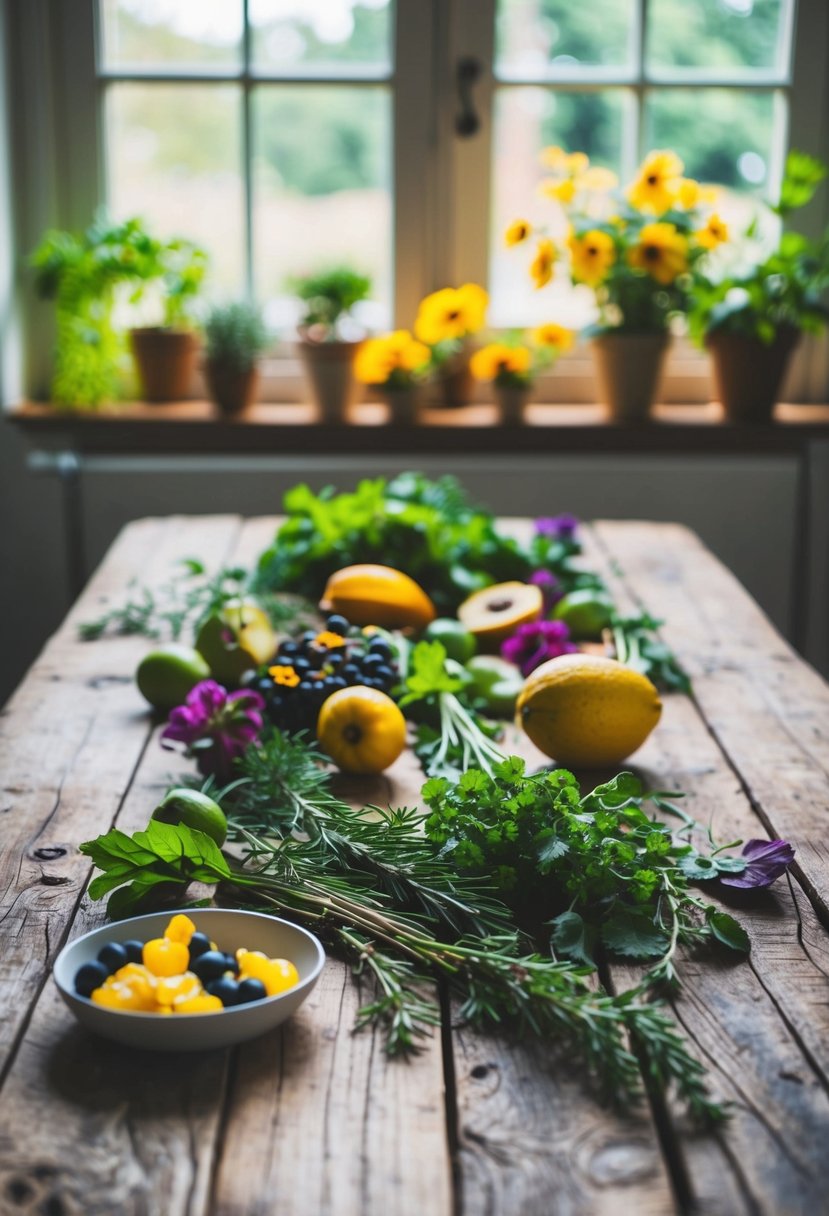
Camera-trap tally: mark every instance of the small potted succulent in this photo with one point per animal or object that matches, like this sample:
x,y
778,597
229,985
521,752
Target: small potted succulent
x,y
636,250
325,346
235,336
752,320
396,365
166,354
512,366
446,322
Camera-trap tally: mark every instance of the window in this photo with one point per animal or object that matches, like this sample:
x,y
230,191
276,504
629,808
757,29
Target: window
x,y
286,133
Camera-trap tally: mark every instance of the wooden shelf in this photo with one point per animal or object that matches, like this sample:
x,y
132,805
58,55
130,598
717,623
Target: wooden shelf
x,y
195,427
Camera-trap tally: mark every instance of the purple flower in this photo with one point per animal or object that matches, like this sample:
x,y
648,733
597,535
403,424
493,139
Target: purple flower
x,y
557,527
534,643
215,726
550,588
766,860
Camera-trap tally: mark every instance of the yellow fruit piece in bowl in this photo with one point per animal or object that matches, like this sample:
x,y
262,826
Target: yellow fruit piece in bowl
x,y
172,989
180,929
205,1003
164,957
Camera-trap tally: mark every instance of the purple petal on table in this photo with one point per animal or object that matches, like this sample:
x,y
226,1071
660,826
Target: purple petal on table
x,y
559,527
766,861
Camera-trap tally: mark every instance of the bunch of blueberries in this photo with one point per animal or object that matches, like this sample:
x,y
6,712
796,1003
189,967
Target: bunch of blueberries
x,y
312,667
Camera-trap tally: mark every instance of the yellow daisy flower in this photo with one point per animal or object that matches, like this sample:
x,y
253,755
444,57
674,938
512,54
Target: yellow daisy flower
x,y
554,336
662,252
592,254
378,358
688,192
577,163
713,234
656,187
498,359
563,190
517,232
451,313
554,158
541,267
598,179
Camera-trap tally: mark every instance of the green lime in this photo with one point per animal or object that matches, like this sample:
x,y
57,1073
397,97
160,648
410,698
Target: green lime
x,y
166,675
194,809
585,613
496,682
455,637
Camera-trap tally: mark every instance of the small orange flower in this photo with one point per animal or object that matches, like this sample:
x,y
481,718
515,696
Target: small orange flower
x,y
713,234
554,336
517,232
329,640
541,267
284,676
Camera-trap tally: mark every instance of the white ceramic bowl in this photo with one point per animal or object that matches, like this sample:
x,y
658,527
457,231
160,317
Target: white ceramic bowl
x,y
195,1031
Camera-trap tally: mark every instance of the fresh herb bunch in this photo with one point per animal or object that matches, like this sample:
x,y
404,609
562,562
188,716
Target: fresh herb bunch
x,y
235,334
447,545
328,296
375,885
637,645
185,602
595,866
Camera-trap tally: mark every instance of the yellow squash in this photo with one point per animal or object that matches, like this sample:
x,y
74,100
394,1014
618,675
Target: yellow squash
x,y
361,729
378,595
586,711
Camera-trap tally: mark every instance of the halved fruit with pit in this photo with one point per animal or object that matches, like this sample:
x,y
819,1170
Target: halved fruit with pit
x,y
497,611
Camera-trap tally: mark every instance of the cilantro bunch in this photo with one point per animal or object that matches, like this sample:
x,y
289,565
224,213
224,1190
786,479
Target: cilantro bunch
x,y
596,867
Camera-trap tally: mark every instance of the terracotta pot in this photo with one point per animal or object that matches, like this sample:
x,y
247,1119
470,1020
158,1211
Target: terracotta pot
x,y
455,382
232,388
628,368
403,403
329,367
512,401
166,361
748,373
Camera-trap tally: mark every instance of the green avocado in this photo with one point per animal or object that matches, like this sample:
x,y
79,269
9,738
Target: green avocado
x,y
166,675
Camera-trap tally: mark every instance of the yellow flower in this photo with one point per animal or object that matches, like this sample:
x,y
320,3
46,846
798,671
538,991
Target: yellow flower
x,y
713,234
555,336
541,267
517,232
554,158
562,190
285,676
378,358
499,360
662,253
577,163
688,192
657,185
598,179
593,254
451,313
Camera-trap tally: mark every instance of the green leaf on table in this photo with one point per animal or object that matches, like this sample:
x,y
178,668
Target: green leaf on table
x,y
573,937
634,934
728,931
427,673
698,867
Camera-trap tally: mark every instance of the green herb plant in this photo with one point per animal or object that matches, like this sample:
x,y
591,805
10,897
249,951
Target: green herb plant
x,y
235,335
397,903
329,297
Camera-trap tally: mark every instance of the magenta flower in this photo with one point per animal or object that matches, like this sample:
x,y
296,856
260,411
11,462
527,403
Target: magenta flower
x,y
766,860
215,726
534,643
550,588
557,527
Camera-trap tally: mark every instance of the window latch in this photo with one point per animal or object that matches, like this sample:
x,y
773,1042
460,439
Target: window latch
x,y
467,121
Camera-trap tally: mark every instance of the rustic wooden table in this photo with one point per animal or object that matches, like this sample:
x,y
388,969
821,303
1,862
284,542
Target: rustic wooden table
x,y
312,1119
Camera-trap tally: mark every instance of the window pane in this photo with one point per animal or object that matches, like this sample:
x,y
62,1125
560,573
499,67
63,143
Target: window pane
x,y
539,38
527,120
322,190
173,157
722,135
723,37
197,34
303,35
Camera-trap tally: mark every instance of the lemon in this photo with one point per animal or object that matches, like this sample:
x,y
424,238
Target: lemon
x,y
586,711
196,810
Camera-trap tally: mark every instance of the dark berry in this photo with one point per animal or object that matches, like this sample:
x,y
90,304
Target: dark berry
x,y
338,624
350,671
89,977
251,990
385,674
308,637
210,966
226,989
287,649
333,683
300,666
112,956
199,945
334,659
232,964
135,951
380,646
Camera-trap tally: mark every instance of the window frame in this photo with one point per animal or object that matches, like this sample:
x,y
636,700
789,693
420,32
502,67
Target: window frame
x,y
441,183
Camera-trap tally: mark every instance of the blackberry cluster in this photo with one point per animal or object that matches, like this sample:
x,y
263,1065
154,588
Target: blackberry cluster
x,y
312,667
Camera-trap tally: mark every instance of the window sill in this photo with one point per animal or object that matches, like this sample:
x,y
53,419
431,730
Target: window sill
x,y
195,427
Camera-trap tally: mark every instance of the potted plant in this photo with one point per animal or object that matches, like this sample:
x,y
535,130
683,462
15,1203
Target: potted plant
x,y
235,336
636,251
325,348
446,321
512,367
751,320
81,273
396,365
166,354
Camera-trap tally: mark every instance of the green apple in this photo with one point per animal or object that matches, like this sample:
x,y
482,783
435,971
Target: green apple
x,y
496,682
166,675
455,638
194,809
235,640
585,612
